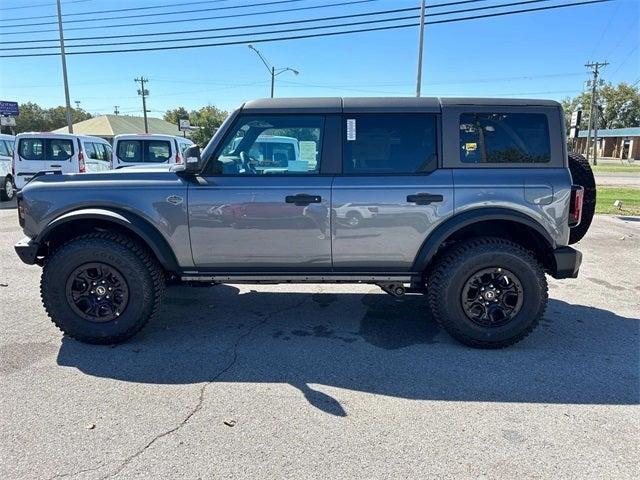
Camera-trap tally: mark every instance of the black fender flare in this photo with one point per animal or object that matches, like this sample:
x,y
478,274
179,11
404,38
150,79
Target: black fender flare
x,y
130,221
462,220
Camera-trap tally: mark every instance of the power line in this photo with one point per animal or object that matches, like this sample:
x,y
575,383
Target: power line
x,y
42,5
149,7
237,27
200,19
297,37
267,32
145,15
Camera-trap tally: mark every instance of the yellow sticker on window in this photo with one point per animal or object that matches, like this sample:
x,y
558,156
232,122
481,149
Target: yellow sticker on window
x,y
470,146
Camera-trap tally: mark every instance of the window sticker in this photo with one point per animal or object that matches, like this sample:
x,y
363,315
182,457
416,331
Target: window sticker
x,y
351,129
470,146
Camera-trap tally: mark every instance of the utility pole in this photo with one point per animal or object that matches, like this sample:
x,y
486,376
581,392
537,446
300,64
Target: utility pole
x,y
273,71
143,92
420,47
593,110
115,109
64,69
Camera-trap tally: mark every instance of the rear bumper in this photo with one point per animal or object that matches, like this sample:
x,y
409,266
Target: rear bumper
x,y
27,250
568,261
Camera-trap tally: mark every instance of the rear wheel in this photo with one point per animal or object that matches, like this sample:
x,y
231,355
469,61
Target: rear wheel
x,y
6,189
581,174
487,292
101,288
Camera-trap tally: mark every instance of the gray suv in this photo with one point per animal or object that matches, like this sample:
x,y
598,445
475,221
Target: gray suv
x,y
468,201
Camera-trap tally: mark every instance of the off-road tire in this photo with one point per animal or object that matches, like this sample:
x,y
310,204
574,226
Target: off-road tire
x,y
582,175
139,268
4,194
447,277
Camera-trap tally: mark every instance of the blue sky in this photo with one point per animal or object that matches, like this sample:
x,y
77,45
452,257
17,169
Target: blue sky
x,y
538,55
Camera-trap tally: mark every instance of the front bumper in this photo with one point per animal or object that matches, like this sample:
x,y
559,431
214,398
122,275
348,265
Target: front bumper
x,y
27,250
568,261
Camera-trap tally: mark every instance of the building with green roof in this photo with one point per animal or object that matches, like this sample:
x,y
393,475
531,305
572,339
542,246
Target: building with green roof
x,y
108,126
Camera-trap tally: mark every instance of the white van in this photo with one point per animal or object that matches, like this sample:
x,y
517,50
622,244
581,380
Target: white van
x,y
6,175
142,149
37,152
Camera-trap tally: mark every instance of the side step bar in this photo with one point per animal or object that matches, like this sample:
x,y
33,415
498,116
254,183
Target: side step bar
x,y
297,278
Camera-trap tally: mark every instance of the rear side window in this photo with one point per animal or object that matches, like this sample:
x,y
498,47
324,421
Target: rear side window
x,y
390,144
59,149
504,138
4,151
31,148
90,150
153,151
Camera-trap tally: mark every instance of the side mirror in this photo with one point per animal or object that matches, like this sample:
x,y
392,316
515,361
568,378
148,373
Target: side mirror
x,y
192,162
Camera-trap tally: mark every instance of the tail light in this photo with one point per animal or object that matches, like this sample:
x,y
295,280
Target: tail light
x,y
178,159
81,165
575,207
13,163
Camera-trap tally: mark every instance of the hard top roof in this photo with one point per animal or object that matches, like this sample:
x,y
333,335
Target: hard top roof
x,y
381,104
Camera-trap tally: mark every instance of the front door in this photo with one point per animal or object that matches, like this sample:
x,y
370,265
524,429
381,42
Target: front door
x,y
263,203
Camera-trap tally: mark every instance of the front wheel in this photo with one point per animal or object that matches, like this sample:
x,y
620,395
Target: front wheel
x,y
487,292
102,287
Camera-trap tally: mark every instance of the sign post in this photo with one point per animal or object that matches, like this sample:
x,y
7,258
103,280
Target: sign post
x,y
183,125
8,110
574,126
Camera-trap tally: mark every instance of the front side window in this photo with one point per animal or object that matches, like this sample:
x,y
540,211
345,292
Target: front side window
x,y
389,144
31,149
268,145
9,145
504,138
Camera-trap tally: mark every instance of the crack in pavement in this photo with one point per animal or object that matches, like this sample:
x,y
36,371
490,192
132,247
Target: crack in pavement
x,y
73,474
201,396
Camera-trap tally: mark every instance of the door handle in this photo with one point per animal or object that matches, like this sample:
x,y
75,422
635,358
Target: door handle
x,y
302,199
424,198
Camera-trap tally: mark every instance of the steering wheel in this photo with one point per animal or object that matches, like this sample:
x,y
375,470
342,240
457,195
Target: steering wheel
x,y
246,162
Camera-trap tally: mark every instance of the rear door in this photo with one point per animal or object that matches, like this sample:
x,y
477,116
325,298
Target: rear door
x,y
391,194
37,154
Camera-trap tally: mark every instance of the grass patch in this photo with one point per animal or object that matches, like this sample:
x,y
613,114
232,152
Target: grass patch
x,y
630,198
612,168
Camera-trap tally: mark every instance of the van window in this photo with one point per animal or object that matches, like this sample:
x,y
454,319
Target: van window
x,y
90,150
96,151
389,143
59,149
9,145
31,148
4,151
504,138
138,151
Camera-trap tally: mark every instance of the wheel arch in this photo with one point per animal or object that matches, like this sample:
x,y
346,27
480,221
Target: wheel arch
x,y
495,222
78,222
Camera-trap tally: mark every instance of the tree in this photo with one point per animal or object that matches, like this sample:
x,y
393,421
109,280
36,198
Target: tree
x,y
619,106
206,121
172,116
34,118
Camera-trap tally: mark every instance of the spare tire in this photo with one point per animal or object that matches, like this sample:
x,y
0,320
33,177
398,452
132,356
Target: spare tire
x,y
582,175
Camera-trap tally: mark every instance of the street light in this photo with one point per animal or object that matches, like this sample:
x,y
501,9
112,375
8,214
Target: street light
x,y
273,71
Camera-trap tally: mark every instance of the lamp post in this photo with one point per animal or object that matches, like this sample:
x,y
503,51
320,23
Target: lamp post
x,y
273,71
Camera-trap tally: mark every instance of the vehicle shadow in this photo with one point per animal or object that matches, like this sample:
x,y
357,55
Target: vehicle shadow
x,y
8,205
370,343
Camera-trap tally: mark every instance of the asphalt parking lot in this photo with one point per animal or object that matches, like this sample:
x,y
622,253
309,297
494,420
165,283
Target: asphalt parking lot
x,y
323,381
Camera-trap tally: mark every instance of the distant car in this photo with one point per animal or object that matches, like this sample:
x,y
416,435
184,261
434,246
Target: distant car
x,y
7,187
272,153
66,153
142,149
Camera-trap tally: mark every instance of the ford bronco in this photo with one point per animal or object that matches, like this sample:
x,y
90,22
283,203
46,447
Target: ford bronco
x,y
468,201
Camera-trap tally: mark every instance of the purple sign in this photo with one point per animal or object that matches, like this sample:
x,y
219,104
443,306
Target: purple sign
x,y
9,108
